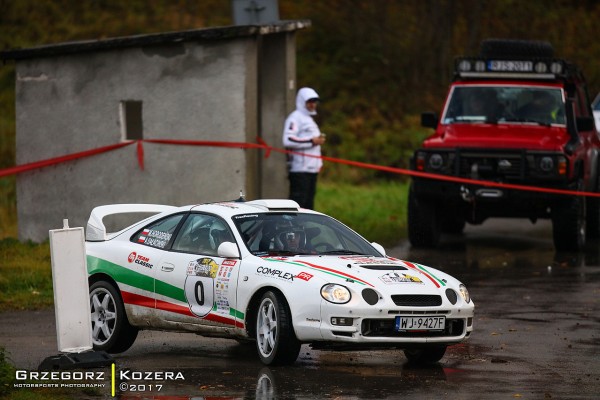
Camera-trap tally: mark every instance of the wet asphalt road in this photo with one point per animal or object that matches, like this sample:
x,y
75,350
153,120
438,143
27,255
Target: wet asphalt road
x,y
537,336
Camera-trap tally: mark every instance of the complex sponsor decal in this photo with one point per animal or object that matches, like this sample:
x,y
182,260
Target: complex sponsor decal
x,y
139,259
320,268
393,277
154,238
275,273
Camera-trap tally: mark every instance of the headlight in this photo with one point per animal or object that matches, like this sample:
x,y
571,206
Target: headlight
x,y
464,293
436,161
337,294
546,164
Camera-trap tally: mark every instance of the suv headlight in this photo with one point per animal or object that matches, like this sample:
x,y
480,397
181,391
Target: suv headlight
x,y
436,161
547,164
336,294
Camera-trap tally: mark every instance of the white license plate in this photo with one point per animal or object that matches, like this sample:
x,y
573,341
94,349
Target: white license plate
x,y
422,323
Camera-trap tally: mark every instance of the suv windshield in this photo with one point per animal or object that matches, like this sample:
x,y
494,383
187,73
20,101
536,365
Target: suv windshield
x,y
299,234
506,104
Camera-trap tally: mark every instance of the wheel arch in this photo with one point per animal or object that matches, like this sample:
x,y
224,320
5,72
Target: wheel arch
x,y
104,277
252,307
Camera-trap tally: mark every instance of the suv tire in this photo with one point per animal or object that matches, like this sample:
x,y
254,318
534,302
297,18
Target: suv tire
x,y
569,223
423,223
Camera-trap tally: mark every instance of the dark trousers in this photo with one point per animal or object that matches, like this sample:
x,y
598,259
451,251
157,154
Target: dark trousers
x,y
303,186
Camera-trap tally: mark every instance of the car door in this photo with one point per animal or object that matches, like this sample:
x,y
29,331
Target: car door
x,y
193,284
144,253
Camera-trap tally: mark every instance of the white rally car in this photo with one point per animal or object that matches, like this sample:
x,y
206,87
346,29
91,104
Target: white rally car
x,y
268,271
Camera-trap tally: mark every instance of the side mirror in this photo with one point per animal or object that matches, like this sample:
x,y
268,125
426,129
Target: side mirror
x,y
379,248
585,124
429,120
228,250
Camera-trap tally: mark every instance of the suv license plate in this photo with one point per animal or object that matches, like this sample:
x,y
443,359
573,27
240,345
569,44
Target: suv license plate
x,y
423,323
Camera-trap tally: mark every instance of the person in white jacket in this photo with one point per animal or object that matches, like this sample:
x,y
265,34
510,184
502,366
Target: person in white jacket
x,y
301,134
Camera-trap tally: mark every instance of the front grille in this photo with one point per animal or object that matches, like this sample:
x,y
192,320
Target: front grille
x,y
417,300
385,328
486,165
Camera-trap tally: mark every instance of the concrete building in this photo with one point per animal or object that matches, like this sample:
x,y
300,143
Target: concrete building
x,y
230,84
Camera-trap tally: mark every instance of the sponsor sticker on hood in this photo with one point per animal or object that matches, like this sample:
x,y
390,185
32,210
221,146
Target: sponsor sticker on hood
x,y
392,278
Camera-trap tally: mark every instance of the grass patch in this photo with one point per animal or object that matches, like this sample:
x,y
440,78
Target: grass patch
x,y
377,211
26,275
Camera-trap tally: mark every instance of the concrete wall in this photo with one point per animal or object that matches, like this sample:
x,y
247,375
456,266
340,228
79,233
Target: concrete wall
x,y
224,90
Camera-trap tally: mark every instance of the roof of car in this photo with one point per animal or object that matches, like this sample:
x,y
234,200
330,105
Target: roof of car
x,y
96,230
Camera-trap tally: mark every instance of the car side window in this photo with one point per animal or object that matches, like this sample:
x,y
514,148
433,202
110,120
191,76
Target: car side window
x,y
158,234
202,234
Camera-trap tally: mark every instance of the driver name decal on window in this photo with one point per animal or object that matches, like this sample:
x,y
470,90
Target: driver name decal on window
x,y
154,238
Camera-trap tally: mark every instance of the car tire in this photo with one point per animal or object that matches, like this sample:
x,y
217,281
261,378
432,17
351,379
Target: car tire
x,y
425,355
423,223
111,330
569,223
276,341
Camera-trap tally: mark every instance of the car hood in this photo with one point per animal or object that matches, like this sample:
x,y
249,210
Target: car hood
x,y
501,135
386,274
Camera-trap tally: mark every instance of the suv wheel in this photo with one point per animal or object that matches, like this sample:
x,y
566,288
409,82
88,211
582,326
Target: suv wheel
x,y
423,223
592,205
569,223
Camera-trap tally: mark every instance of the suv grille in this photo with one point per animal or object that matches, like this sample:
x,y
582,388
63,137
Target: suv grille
x,y
417,300
490,165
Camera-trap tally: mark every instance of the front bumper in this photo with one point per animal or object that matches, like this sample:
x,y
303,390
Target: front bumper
x,y
375,326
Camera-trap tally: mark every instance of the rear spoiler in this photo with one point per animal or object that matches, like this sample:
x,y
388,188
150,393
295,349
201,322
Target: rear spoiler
x,y
96,231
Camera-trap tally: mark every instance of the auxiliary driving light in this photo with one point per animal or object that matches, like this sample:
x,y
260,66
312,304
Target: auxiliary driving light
x,y
342,321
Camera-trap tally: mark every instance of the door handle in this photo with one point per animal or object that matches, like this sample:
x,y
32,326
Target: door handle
x,y
166,267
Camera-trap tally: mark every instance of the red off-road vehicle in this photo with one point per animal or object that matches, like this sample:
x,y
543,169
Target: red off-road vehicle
x,y
513,115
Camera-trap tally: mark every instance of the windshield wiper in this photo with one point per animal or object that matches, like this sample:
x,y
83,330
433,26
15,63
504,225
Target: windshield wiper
x,y
342,252
527,120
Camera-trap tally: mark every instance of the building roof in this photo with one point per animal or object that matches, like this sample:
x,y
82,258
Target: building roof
x,y
215,33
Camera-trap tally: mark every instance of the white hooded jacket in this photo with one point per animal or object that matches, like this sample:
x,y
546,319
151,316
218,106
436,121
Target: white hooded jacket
x,y
298,131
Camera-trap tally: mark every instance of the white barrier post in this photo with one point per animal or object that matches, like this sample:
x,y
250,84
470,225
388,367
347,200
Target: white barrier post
x,y
72,302
71,289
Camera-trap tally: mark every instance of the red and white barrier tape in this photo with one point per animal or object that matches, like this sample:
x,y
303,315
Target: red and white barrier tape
x,y
268,149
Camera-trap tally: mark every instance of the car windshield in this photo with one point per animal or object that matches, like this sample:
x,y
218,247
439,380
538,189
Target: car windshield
x,y
299,234
506,104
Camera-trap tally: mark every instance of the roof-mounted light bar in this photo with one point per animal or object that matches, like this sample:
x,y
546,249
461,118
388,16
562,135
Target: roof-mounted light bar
x,y
501,68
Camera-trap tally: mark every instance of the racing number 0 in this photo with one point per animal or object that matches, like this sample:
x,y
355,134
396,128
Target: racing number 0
x,y
199,293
